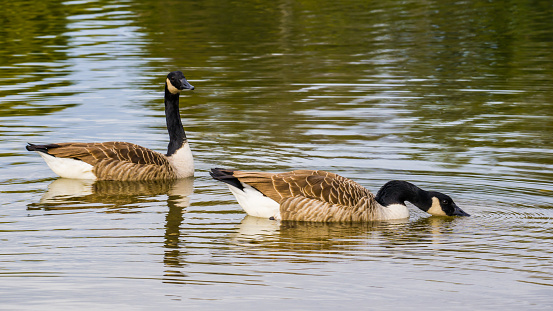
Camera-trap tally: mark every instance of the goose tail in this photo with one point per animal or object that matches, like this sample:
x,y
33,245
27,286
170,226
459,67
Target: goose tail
x,y
252,201
40,148
226,176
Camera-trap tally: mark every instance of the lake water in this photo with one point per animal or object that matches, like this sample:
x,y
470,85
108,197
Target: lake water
x,y
454,97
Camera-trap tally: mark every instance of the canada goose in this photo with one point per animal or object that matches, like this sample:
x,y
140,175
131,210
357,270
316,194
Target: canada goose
x,y
127,161
306,195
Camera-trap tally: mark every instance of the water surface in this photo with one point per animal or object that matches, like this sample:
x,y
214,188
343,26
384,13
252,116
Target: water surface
x,y
452,97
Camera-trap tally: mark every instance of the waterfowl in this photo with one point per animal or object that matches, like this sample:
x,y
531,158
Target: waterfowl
x,y
126,161
306,195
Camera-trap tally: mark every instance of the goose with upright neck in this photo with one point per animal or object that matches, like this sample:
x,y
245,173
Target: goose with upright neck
x,y
319,196
178,150
127,161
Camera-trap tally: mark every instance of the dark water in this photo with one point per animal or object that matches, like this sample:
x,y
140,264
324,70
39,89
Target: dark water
x,y
455,97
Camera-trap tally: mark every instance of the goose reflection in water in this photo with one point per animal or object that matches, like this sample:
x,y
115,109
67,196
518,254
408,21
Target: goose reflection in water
x,y
303,241
64,193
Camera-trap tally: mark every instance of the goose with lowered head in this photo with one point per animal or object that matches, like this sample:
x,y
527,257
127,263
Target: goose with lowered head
x,y
126,161
319,196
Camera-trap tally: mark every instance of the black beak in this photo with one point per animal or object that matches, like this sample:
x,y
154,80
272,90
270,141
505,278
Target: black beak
x,y
186,85
459,212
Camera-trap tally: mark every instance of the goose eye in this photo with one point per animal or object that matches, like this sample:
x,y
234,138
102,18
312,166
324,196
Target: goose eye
x,y
444,201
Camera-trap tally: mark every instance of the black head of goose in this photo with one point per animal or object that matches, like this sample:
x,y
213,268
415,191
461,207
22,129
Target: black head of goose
x,y
432,202
127,161
306,195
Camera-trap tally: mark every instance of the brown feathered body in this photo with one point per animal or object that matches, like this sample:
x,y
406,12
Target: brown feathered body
x,y
118,160
113,160
306,195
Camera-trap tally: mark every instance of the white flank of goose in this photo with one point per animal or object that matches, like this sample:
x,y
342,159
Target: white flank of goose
x,y
127,161
319,196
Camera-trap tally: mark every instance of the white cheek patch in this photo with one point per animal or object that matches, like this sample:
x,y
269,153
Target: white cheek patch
x,y
171,88
436,208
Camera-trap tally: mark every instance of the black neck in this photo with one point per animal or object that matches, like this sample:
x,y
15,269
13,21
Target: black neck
x,y
177,136
397,192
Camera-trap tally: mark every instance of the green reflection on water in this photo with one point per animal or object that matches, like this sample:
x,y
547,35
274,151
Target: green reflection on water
x,y
32,55
465,68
